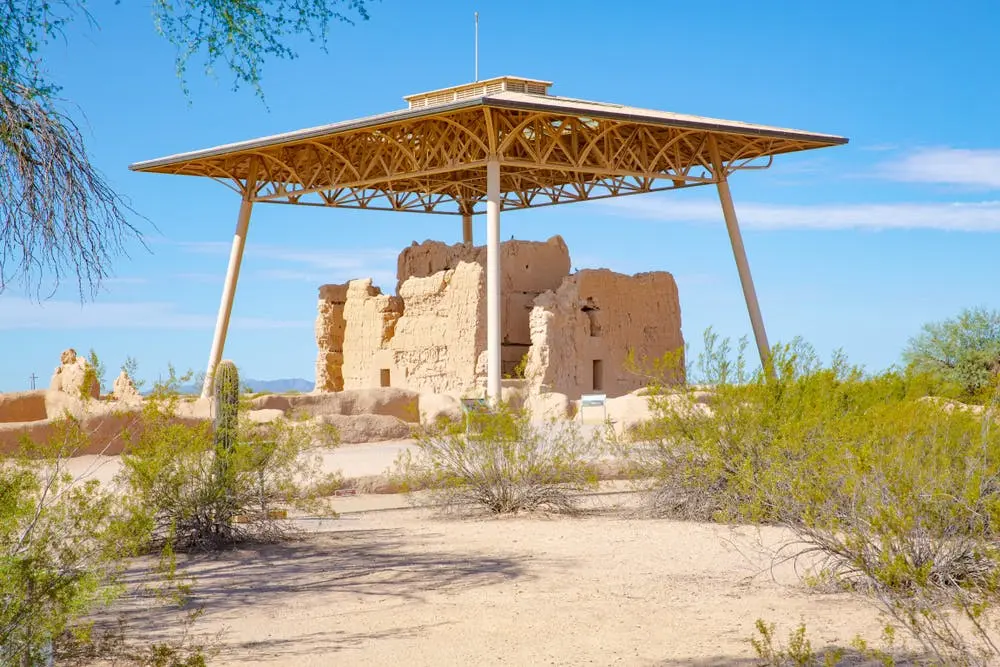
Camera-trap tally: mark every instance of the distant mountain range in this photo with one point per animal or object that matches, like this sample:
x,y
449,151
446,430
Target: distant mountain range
x,y
281,386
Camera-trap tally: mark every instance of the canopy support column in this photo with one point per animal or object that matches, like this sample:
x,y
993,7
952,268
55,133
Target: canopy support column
x,y
739,252
493,280
229,288
466,228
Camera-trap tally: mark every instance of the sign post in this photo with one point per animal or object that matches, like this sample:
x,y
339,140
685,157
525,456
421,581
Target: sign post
x,y
591,403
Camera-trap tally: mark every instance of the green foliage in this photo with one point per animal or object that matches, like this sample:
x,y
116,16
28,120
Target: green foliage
x,y
171,473
724,453
62,545
501,462
58,214
520,368
131,368
226,380
896,495
798,652
94,375
117,645
242,34
962,354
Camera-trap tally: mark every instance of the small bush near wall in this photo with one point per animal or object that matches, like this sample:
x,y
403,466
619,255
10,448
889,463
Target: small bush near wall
x,y
501,462
200,497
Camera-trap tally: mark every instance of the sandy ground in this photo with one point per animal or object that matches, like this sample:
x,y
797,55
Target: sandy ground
x,y
353,461
386,586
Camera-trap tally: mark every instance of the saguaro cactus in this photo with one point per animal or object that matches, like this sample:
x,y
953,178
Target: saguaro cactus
x,y
227,406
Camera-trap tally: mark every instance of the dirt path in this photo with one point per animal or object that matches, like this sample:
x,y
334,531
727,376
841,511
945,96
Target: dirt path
x,y
409,587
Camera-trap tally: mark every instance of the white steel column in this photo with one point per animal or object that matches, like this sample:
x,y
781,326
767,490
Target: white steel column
x,y
739,252
229,288
493,280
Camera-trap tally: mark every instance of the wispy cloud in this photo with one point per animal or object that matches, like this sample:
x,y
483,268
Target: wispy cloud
x,y
311,265
20,313
379,277
880,148
965,217
213,278
972,168
318,258
125,280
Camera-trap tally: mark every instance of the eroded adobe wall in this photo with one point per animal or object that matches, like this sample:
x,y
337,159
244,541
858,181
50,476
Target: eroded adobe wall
x,y
598,316
527,269
370,319
330,329
439,338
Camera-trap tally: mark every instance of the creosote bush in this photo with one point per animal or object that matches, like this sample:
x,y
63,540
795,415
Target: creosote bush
x,y
63,542
501,462
798,651
893,495
205,492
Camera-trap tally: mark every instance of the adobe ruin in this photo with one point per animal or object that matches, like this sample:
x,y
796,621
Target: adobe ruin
x,y
562,332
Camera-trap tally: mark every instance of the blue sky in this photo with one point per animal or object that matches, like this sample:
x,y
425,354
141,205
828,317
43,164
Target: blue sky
x,y
851,247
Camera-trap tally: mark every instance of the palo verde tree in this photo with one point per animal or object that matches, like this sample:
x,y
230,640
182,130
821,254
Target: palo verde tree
x,y
59,217
962,352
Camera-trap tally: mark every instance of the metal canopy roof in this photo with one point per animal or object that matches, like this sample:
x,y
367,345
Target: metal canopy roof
x,y
432,159
502,143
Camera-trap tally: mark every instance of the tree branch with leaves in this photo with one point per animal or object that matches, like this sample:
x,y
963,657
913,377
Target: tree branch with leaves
x,y
59,216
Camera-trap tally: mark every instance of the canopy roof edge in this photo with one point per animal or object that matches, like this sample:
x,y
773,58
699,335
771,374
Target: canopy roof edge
x,y
504,101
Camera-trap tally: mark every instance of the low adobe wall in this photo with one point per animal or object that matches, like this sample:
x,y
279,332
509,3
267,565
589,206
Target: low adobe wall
x,y
23,406
39,417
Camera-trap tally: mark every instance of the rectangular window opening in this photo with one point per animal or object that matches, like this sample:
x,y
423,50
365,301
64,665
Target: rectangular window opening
x,y
384,378
598,375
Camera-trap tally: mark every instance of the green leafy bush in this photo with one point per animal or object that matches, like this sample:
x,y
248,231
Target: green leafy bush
x,y
202,496
63,542
726,457
797,652
962,353
502,462
892,494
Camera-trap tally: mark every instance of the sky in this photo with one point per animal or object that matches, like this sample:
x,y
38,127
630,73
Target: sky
x,y
851,247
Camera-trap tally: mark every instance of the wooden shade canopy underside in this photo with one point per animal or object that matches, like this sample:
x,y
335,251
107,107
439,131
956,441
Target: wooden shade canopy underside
x,y
550,150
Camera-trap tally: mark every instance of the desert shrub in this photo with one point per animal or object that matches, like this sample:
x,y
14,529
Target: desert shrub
x,y
121,645
62,545
905,507
502,462
202,491
796,652
962,354
726,460
894,496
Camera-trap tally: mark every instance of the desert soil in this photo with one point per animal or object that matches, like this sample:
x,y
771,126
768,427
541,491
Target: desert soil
x,y
386,584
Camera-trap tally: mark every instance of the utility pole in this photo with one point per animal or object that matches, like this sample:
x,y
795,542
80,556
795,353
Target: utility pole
x,y
33,378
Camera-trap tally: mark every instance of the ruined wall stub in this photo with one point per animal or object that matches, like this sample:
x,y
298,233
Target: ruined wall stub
x,y
582,332
442,331
330,329
370,319
437,341
527,268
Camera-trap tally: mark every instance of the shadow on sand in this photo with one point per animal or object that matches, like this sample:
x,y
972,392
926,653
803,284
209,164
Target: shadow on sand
x,y
379,563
